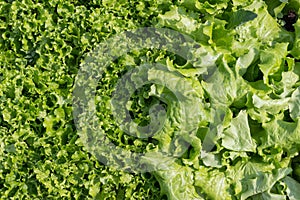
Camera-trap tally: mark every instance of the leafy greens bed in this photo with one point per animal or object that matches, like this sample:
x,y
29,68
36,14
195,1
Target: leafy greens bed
x,y
244,73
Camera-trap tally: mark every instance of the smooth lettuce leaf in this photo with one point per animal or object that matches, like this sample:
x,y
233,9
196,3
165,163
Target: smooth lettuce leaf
x,y
293,187
294,104
237,137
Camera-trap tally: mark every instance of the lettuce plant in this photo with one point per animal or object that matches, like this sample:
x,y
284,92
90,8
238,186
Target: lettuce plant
x,y
204,104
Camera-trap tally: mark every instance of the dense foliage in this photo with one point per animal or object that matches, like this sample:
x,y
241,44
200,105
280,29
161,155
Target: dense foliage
x,y
248,105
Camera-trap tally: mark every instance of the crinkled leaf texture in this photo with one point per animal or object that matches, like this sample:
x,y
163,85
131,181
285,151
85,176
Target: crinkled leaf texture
x,y
236,96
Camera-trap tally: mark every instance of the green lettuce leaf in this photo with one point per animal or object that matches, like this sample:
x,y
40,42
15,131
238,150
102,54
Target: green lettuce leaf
x,y
237,137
